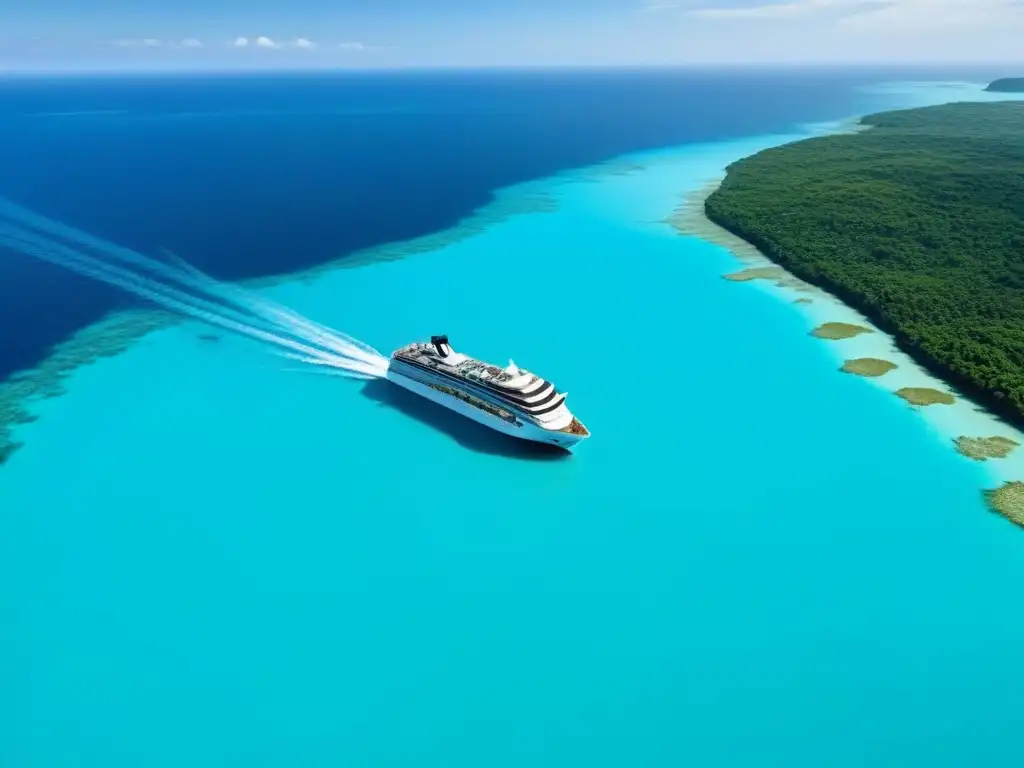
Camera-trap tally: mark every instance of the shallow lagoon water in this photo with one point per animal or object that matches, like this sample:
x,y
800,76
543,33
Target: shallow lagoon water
x,y
215,560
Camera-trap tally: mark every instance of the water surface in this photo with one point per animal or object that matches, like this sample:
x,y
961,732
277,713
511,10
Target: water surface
x,y
211,560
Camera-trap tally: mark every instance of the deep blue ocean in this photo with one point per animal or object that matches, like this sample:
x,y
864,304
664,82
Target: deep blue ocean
x,y
211,557
249,175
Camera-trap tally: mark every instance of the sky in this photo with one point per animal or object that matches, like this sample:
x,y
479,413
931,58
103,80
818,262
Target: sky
x,y
281,34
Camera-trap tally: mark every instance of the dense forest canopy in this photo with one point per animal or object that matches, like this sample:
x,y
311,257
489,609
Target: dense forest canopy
x,y
1007,85
918,222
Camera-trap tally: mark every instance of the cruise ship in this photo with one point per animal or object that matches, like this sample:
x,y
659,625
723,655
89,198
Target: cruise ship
x,y
510,400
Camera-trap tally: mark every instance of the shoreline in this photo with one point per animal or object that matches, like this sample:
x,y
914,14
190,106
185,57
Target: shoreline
x,y
950,379
874,353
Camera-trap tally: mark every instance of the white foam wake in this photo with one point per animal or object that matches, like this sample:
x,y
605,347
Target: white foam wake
x,y
183,289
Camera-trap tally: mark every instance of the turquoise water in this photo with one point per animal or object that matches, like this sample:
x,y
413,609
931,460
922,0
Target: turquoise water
x,y
209,559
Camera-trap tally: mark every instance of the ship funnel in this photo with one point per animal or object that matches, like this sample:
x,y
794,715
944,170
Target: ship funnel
x,y
512,369
441,345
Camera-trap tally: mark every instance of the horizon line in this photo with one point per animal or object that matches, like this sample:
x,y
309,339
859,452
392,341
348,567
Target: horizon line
x,y
6,71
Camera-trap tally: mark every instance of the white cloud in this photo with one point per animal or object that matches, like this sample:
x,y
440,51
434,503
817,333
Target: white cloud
x,y
927,15
299,43
787,10
365,47
146,42
270,44
152,43
883,15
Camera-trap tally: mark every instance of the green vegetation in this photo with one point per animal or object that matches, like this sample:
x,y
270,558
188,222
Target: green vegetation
x,y
1007,85
925,396
838,331
918,223
868,366
982,448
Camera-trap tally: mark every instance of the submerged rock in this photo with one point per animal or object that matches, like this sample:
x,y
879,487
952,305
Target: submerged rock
x,y
1008,501
925,396
756,273
837,331
868,366
776,275
982,448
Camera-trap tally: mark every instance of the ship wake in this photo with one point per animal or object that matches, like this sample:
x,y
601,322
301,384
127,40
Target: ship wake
x,y
183,289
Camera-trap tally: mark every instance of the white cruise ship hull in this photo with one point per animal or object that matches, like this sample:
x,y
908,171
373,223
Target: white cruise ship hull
x,y
517,427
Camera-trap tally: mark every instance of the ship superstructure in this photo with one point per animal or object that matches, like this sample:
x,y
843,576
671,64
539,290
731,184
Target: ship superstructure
x,y
510,400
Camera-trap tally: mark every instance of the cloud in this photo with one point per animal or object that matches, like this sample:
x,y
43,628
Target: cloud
x,y
901,16
270,44
145,42
299,43
788,10
154,43
358,47
883,15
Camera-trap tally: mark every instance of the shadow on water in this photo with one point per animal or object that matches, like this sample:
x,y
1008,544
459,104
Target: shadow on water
x,y
463,430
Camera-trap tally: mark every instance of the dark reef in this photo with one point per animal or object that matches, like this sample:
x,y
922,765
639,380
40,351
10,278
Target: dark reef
x,y
917,223
1007,85
119,330
106,338
258,174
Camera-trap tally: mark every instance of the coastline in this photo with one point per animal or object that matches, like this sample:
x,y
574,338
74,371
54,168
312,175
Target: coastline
x,y
962,420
